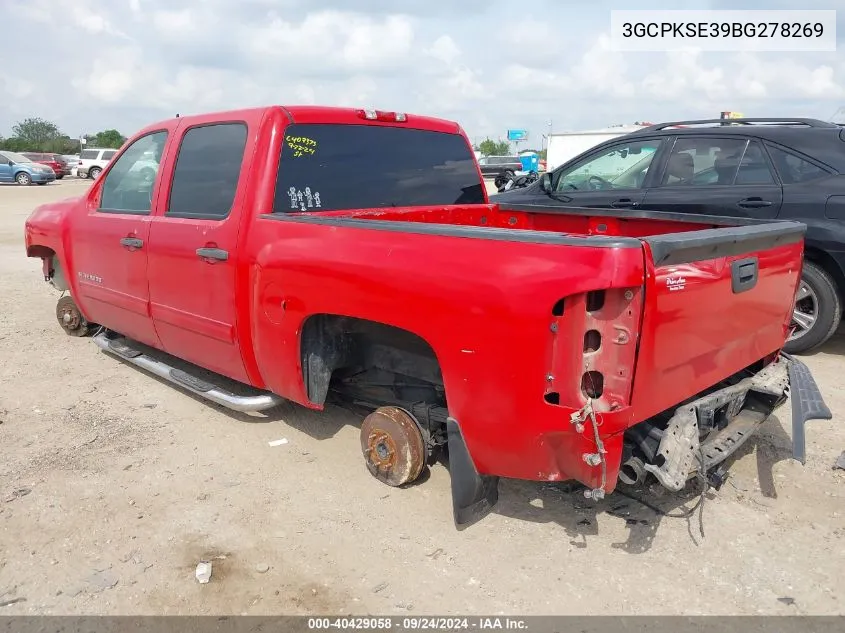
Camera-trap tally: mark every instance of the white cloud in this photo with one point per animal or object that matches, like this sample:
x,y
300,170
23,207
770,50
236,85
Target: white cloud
x,y
130,63
335,40
444,49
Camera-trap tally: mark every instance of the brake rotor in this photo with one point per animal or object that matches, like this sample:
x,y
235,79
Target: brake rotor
x,y
70,318
393,446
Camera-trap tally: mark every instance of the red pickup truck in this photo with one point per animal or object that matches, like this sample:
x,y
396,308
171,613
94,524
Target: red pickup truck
x,y
314,253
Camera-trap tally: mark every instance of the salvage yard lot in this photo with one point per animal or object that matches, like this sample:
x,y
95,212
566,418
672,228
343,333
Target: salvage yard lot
x,y
113,485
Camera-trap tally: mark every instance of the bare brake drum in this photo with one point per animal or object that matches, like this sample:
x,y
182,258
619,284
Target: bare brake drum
x,y
70,318
393,446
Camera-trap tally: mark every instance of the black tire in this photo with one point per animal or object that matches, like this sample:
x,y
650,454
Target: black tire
x,y
60,177
502,178
828,309
40,183
23,178
94,172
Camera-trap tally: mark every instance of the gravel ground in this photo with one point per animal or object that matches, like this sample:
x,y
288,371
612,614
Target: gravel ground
x,y
113,485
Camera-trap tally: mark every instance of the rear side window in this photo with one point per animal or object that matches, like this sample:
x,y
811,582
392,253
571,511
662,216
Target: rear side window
x,y
717,161
794,169
332,167
88,154
208,168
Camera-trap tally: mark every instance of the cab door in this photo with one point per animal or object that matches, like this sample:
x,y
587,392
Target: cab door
x,y
714,175
110,242
193,247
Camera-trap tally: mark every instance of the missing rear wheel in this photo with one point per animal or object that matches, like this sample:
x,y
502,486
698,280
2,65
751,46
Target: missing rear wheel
x,y
393,446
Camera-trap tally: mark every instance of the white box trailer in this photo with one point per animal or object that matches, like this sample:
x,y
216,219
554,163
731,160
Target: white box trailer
x,y
564,146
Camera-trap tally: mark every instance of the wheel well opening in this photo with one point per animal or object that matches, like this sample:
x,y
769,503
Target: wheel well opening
x,y
369,362
36,250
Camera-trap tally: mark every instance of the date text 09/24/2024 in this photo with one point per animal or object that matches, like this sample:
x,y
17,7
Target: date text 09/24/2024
x,y
418,623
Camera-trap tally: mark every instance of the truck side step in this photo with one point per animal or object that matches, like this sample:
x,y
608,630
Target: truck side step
x,y
245,404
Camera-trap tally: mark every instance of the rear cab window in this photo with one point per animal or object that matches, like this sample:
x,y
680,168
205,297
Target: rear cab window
x,y
333,167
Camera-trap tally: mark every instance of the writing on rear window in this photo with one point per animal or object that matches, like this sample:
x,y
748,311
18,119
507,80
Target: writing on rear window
x,y
301,145
373,166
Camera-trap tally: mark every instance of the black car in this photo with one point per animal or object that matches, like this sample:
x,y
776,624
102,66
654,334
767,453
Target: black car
x,y
754,168
492,166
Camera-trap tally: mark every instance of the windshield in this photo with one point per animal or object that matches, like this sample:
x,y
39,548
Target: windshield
x,y
18,158
333,167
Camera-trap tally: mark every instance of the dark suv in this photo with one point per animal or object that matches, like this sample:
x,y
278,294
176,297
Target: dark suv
x,y
753,168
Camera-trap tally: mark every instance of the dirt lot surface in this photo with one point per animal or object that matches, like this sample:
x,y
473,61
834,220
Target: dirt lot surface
x,y
113,485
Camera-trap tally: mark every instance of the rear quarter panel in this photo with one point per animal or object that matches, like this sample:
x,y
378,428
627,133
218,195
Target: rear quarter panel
x,y
483,305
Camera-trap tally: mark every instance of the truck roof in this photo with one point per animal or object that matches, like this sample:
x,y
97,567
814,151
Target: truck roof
x,y
322,114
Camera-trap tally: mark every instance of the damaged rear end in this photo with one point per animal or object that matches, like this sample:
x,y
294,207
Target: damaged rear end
x,y
710,370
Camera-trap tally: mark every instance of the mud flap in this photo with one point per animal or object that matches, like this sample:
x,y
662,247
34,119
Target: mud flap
x,y
807,404
473,495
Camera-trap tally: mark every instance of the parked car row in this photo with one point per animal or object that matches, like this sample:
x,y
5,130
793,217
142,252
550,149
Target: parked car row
x,y
40,168
22,170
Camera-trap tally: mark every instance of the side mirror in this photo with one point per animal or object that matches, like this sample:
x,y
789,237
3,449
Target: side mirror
x,y
11,162
546,182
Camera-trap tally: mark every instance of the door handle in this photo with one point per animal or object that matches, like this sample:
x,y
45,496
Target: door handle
x,y
214,254
754,203
131,242
744,274
623,203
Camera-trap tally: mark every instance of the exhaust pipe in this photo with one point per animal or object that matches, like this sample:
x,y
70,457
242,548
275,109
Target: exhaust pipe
x,y
243,404
632,471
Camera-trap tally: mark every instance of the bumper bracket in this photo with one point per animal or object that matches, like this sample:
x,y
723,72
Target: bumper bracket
x,y
807,404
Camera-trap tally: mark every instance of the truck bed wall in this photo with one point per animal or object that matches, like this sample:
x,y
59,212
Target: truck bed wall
x,y
572,221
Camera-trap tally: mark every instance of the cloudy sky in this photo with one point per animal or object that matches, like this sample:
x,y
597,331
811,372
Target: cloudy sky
x,y
125,63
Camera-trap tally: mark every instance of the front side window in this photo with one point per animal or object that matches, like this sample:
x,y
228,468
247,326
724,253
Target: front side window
x,y
128,186
622,166
207,171
328,167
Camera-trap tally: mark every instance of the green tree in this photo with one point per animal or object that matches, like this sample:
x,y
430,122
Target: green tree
x,y
36,133
107,138
15,145
488,147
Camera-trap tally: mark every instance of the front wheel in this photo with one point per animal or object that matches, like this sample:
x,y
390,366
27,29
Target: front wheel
x,y
23,178
817,311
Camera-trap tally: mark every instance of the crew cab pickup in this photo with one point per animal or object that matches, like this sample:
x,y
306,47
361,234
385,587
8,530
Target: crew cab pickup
x,y
313,253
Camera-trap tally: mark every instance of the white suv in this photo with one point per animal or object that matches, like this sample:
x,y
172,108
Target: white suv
x,y
93,161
